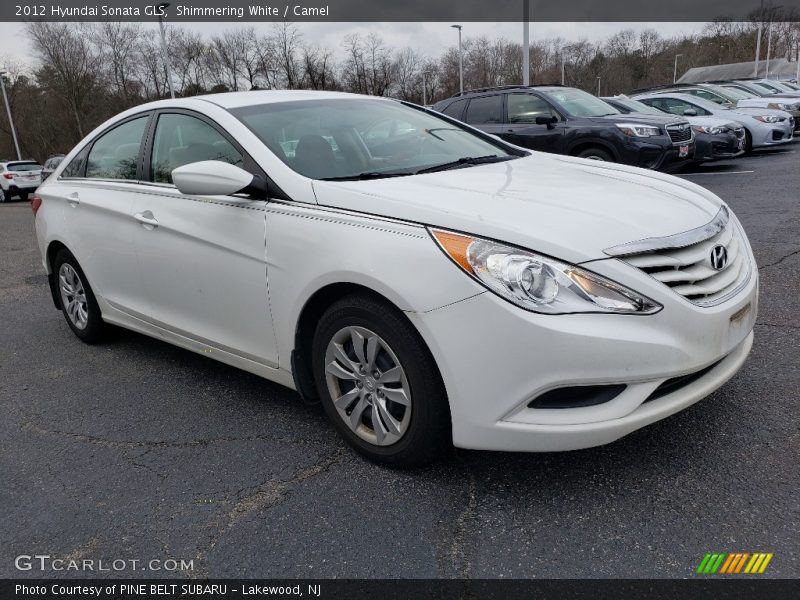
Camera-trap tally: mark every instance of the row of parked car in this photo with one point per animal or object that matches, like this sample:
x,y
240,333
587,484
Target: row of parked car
x,y
665,128
22,177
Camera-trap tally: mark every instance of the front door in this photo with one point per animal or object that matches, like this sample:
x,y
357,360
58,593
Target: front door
x,y
521,128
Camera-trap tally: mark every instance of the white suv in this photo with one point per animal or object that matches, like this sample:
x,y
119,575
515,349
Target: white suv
x,y
19,178
427,282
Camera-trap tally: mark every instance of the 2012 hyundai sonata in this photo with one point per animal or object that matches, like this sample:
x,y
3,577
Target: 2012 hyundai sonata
x,y
429,283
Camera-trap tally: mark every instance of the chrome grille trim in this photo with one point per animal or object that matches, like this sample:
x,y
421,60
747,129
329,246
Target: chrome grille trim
x,y
679,133
672,242
688,270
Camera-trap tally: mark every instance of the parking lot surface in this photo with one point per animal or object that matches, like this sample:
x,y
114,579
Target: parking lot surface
x,y
135,449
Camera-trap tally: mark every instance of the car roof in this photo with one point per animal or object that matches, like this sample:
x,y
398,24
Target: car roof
x,y
229,100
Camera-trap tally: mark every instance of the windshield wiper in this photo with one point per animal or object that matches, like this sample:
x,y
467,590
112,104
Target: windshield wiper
x,y
467,160
369,175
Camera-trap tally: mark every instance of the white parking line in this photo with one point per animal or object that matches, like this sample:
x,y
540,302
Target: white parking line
x,y
719,173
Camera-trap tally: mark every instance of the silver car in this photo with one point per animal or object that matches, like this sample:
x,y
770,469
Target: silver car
x,y
763,126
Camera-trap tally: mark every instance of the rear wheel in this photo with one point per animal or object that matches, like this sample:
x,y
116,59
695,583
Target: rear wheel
x,y
2,195
379,383
77,299
595,154
23,196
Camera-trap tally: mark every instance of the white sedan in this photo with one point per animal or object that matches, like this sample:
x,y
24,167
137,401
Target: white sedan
x,y
428,283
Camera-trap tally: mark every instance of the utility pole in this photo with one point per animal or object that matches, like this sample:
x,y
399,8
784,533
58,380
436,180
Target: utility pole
x,y
758,39
164,52
769,46
460,60
675,70
526,43
3,73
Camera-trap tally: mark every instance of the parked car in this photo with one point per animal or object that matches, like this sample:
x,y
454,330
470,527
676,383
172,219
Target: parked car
x,y
763,126
564,120
773,88
714,138
452,288
19,178
50,165
732,97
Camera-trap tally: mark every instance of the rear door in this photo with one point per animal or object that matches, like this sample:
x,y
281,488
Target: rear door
x,y
521,129
486,113
203,258
96,191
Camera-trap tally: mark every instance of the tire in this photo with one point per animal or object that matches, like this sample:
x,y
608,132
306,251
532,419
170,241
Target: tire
x,y
748,142
408,394
23,196
4,196
595,154
78,302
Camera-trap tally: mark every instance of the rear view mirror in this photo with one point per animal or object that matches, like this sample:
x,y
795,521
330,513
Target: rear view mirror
x,y
211,178
690,112
546,120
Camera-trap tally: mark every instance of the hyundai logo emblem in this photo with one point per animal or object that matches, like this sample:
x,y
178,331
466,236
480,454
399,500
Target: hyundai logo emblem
x,y
719,257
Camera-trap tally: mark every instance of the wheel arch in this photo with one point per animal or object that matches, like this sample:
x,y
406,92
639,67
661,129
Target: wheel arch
x,y
579,146
53,248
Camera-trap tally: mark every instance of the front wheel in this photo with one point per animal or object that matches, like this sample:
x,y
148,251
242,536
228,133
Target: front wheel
x,y
595,154
77,299
748,141
379,383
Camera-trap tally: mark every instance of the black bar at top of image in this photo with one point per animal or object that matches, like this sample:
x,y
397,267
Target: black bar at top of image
x,y
744,588
184,11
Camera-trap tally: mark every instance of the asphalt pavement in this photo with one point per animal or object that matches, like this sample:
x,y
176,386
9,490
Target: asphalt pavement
x,y
137,450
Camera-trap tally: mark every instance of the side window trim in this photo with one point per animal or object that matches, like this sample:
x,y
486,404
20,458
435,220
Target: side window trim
x,y
249,164
87,149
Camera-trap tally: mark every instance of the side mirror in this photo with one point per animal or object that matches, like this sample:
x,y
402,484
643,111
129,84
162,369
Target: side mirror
x,y
690,112
211,178
549,121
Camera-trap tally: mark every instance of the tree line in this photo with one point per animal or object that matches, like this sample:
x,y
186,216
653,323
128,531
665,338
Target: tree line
x,y
86,73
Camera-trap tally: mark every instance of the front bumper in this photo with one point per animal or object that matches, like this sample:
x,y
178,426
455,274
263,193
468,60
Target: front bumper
x,y
720,146
773,135
654,153
495,358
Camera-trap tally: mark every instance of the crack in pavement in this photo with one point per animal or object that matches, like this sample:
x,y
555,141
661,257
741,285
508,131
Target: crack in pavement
x,y
455,553
779,261
268,494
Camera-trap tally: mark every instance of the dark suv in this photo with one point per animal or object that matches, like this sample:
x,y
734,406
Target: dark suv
x,y
565,120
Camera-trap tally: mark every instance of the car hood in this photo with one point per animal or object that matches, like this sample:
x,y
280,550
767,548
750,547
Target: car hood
x,y
565,207
643,118
708,121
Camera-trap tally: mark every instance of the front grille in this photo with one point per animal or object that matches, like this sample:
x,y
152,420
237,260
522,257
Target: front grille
x,y
693,272
679,133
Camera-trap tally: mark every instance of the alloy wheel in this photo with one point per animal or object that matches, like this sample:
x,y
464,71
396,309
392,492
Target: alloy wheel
x,y
73,296
368,385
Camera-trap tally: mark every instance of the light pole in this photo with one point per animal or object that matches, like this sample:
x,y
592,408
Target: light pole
x,y
164,52
598,86
460,60
563,69
769,46
526,43
424,90
758,39
675,69
8,110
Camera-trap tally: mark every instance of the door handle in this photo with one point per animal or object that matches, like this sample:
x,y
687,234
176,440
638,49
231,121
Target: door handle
x,y
147,220
74,199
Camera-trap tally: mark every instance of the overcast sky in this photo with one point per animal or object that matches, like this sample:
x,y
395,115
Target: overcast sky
x,y
429,38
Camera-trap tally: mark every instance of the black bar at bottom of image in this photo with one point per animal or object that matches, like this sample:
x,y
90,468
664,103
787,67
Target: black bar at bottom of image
x,y
402,589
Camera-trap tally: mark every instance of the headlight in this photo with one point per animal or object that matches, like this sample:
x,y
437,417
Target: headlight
x,y
778,106
768,118
634,130
539,283
711,130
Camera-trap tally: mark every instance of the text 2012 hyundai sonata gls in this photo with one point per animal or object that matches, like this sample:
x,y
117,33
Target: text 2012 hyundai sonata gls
x,y
429,283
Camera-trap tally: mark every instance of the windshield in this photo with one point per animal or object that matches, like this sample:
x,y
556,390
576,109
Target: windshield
x,y
581,104
763,86
711,107
28,166
731,93
640,107
779,85
357,138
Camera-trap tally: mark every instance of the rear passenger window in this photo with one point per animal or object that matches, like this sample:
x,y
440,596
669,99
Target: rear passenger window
x,y
485,111
455,109
114,155
182,139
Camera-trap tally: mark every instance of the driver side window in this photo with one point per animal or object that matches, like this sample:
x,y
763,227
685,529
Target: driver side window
x,y
524,108
183,139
